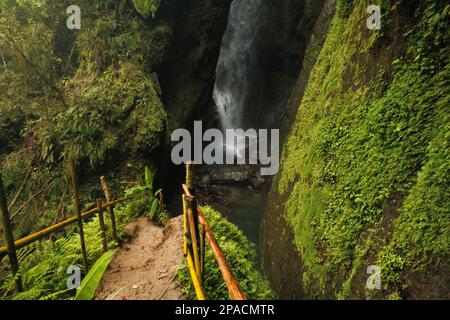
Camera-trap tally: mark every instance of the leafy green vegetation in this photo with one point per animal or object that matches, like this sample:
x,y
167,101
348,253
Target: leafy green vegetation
x,y
147,200
146,7
86,95
239,252
120,105
366,167
44,264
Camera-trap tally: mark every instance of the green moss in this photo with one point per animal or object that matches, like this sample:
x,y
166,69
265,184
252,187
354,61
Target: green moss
x,y
422,231
357,141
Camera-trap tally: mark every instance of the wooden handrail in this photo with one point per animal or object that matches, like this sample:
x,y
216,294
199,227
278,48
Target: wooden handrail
x,y
11,246
56,227
231,282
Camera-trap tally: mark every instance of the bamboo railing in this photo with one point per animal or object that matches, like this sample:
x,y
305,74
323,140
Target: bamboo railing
x,y
196,231
11,246
23,242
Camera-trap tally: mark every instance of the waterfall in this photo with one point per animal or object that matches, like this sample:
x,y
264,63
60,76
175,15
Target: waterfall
x,y
235,65
236,61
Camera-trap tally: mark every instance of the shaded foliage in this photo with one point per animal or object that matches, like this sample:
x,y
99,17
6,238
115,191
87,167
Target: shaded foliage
x,y
83,95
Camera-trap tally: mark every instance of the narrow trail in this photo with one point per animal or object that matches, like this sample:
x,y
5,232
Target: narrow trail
x,y
145,268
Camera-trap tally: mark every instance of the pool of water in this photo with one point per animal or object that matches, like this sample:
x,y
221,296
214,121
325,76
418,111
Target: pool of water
x,y
243,207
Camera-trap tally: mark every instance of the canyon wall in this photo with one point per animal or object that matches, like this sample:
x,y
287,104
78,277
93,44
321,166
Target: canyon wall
x,y
363,183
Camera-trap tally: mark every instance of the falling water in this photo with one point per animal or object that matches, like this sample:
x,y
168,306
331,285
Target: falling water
x,y
236,62
235,72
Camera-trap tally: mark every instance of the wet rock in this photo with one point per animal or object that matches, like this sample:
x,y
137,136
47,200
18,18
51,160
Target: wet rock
x,y
229,176
257,181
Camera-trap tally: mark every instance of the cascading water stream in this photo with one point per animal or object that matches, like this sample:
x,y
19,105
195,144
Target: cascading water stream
x,y
234,76
236,62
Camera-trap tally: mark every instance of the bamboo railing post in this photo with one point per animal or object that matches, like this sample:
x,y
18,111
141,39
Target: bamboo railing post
x,y
195,279
111,209
185,227
9,238
190,175
73,176
191,208
102,225
202,251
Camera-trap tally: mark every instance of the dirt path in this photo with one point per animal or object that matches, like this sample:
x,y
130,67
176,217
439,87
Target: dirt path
x,y
145,268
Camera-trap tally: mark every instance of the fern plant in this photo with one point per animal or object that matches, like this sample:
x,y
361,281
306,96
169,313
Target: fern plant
x,y
153,197
44,264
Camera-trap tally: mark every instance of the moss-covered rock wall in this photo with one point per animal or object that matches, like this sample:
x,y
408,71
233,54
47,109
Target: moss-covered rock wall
x,y
365,169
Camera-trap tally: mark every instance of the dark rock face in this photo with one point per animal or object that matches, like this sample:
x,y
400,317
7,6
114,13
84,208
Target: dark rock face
x,y
280,259
395,215
281,42
231,174
184,47
187,70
